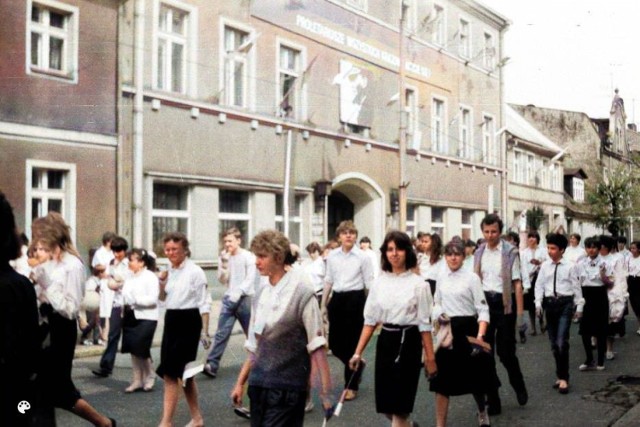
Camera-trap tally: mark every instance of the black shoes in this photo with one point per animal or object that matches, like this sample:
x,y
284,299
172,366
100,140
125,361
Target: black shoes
x,y
208,371
522,396
100,373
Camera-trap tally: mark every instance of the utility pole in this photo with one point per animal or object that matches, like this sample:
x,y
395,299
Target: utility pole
x,y
402,137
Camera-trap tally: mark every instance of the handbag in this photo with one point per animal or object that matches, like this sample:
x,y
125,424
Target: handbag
x,y
91,301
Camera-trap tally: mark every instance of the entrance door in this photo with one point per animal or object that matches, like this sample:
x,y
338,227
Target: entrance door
x,y
340,209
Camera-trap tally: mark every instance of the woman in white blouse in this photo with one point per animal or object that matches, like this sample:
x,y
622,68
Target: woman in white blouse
x,y
184,290
401,302
461,371
140,293
61,279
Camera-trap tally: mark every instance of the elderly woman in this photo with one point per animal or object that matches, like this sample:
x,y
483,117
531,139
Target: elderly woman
x,y
401,302
461,370
61,279
140,293
286,343
184,290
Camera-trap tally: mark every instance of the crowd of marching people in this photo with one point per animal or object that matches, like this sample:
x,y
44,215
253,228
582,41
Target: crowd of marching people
x,y
449,310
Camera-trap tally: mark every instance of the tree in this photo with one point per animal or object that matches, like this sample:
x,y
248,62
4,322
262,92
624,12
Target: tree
x,y
535,217
614,198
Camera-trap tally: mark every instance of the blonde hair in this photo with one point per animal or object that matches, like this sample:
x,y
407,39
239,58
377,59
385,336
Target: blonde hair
x,y
271,242
52,231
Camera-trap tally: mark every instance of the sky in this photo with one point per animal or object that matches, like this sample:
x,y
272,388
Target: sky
x,y
572,54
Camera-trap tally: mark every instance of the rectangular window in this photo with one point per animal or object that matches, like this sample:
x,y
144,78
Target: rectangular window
x,y
464,38
295,218
234,211
578,190
465,225
170,212
51,187
172,48
438,143
289,73
236,47
555,175
437,221
530,170
411,108
52,39
466,137
439,26
411,220
489,52
489,147
411,16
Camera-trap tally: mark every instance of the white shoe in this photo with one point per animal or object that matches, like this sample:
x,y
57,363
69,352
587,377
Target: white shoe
x,y
587,367
638,332
610,355
600,368
87,343
309,406
483,419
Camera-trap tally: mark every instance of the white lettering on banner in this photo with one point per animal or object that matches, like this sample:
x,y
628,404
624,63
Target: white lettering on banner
x,y
359,45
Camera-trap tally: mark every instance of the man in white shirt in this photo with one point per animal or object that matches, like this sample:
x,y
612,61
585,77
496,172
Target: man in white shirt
x,y
558,291
497,263
104,254
348,274
622,249
111,307
236,270
531,258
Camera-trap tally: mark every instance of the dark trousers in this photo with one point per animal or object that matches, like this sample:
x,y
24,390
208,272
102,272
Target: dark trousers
x,y
501,335
345,325
276,408
115,331
559,312
633,283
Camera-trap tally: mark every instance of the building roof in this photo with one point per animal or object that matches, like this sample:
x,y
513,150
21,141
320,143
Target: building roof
x,y
576,172
519,126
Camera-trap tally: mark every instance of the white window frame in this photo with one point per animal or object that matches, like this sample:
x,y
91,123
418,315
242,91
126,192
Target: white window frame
x,y
235,216
489,51
530,178
67,194
435,226
413,123
439,36
362,5
189,41
300,200
465,225
69,35
466,132
464,38
300,92
411,17
489,147
169,213
439,142
411,224
556,176
578,189
226,83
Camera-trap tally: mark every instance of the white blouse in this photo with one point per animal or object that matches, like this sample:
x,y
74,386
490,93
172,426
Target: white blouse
x,y
459,293
62,283
399,299
141,291
187,288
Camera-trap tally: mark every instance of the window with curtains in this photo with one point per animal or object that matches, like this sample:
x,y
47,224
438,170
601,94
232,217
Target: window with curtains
x,y
234,210
170,212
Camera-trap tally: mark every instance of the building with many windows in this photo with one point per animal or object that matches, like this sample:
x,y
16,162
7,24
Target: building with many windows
x,y
58,115
288,114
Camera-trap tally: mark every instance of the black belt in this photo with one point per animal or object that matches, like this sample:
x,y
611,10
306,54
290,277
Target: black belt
x,y
559,298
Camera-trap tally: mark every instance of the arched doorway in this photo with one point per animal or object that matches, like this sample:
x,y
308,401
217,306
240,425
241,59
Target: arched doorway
x,y
340,209
359,198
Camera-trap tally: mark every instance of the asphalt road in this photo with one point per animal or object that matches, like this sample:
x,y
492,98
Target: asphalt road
x,y
589,403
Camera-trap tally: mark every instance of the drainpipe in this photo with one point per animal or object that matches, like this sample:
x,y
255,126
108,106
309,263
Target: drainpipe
x,y
287,184
503,138
138,109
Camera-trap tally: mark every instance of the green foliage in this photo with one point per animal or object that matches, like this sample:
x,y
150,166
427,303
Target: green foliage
x,y
535,217
614,198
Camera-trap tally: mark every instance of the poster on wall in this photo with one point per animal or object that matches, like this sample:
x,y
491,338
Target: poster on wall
x,y
355,94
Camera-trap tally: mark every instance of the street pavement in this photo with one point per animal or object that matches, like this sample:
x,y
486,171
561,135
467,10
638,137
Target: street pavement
x,y
592,401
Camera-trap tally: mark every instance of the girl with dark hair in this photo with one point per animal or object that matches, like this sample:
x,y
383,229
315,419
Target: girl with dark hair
x,y
401,302
140,293
431,262
61,279
461,370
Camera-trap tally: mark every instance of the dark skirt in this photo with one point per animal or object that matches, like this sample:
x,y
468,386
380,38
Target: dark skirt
x,y
528,300
458,371
398,365
137,335
179,341
595,315
54,377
